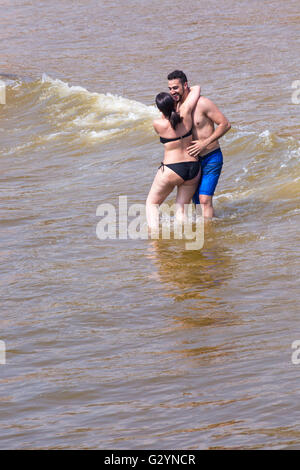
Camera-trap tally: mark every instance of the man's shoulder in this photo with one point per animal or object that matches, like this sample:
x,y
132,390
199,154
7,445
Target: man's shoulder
x,y
203,105
203,101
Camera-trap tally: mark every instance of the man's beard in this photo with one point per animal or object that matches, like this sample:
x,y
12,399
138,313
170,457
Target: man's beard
x,y
178,98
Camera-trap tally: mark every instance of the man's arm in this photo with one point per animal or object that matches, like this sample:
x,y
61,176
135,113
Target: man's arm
x,y
218,118
223,126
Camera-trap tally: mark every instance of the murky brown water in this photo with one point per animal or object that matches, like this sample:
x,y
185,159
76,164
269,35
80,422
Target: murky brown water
x,y
140,344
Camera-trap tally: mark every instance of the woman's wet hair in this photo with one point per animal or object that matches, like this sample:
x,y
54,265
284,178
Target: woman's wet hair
x,y
165,104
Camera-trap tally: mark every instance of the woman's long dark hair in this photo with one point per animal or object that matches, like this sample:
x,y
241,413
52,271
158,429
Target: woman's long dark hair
x,y
166,105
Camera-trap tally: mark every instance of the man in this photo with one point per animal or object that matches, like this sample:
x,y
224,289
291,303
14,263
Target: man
x,y
205,145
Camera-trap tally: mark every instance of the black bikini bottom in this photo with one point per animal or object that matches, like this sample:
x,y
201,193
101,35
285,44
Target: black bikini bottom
x,y
186,170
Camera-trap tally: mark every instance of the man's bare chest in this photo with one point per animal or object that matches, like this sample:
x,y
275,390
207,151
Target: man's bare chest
x,y
200,120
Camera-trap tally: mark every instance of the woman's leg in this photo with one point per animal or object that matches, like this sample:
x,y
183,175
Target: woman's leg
x,y
185,193
163,184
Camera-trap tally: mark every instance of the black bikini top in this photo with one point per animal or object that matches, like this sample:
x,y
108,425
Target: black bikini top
x,y
164,141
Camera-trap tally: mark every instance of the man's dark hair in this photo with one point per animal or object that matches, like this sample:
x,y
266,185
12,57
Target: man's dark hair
x,y
178,74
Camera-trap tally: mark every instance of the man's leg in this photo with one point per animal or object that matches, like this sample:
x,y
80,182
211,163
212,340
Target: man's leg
x,y
206,206
211,166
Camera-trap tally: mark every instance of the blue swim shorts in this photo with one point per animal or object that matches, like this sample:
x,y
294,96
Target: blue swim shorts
x,y
211,166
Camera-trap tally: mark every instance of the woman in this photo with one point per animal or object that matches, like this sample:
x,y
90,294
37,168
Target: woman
x,y
178,168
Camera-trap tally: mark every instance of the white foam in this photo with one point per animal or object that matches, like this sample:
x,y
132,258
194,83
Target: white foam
x,y
53,135
85,120
100,134
294,153
225,195
237,133
62,86
98,115
265,133
106,103
266,138
236,196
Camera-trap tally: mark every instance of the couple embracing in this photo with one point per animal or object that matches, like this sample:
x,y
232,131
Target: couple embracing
x,y
189,128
